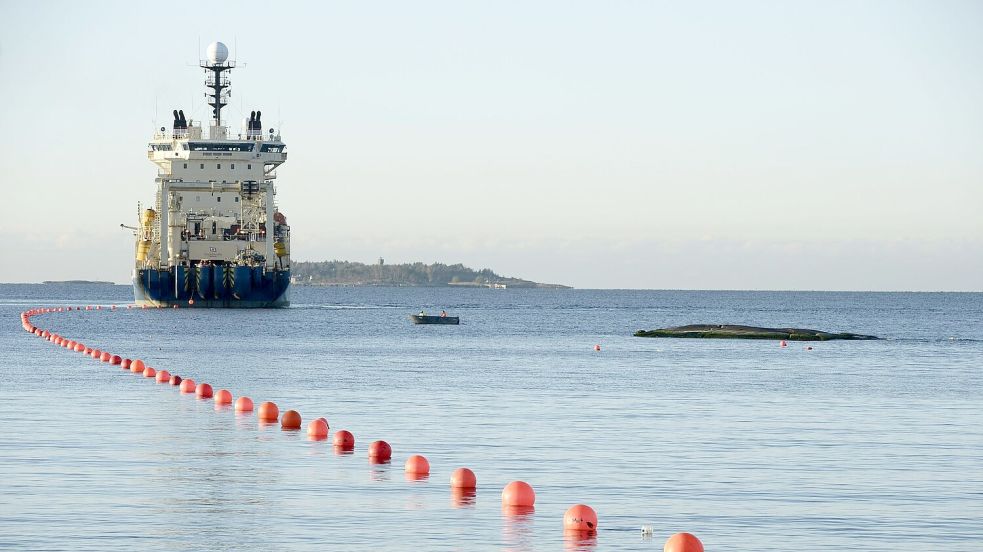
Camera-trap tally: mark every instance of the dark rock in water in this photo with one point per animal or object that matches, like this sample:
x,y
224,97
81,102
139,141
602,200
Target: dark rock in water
x,y
710,331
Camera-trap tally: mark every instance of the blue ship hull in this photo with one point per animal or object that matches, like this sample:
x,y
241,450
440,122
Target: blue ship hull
x,y
212,287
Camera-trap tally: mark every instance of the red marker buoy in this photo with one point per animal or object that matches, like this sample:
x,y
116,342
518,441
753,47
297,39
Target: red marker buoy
x,y
417,464
463,478
518,493
163,376
782,343
344,440
137,366
380,451
244,404
223,397
683,542
317,430
149,372
203,391
188,386
175,380
580,518
116,360
597,347
290,420
268,412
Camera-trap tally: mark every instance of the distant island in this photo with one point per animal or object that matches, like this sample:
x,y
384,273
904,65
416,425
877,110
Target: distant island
x,y
87,282
347,273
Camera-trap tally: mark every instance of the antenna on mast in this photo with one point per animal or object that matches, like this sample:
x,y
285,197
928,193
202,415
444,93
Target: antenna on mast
x,y
217,62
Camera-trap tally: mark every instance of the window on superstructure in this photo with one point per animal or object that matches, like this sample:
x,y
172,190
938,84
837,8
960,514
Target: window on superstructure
x,y
203,165
218,165
219,199
237,199
233,167
186,165
249,166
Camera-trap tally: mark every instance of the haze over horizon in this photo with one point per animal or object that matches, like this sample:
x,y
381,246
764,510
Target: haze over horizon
x,y
712,145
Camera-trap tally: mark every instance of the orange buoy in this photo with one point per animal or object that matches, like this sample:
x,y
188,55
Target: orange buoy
x,y
518,493
463,478
317,430
149,372
290,420
95,353
380,451
782,343
244,404
175,380
79,347
87,351
188,386
163,376
580,518
223,397
683,542
137,366
325,420
417,464
203,391
191,301
268,412
597,347
344,440
116,360
126,363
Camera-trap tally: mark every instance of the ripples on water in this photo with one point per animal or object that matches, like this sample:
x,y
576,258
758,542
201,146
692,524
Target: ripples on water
x,y
853,445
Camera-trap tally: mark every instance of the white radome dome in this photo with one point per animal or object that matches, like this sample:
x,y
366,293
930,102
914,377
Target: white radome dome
x,y
217,52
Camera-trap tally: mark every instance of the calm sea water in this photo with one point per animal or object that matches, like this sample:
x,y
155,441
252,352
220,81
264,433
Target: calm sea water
x,y
850,446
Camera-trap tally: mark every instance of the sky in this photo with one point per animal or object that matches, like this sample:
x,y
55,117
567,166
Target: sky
x,y
791,145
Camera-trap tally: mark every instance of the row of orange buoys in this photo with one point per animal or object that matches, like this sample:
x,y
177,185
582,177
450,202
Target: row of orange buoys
x,y
516,496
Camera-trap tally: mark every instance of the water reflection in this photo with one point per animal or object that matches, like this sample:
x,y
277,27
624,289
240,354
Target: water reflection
x,y
379,472
579,541
410,476
464,498
343,451
517,527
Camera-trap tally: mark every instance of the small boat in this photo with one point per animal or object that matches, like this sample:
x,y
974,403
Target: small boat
x,y
424,319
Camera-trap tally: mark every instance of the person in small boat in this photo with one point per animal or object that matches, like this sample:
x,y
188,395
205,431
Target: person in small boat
x,y
422,313
443,314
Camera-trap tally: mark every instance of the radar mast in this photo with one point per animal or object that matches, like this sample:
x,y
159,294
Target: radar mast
x,y
215,65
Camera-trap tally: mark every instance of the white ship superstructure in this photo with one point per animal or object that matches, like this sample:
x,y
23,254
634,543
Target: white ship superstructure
x,y
214,236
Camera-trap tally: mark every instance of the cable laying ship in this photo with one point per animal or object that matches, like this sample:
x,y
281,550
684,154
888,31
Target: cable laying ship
x,y
214,237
